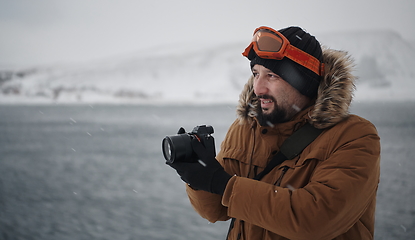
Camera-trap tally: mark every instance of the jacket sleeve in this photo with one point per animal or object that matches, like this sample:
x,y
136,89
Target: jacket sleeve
x,y
339,191
209,205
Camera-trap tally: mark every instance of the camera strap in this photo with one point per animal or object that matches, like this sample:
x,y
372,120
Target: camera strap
x,y
289,149
292,147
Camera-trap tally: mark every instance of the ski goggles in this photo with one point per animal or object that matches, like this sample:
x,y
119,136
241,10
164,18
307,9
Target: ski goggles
x,y
270,44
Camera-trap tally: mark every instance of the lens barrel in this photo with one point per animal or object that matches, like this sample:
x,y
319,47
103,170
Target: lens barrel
x,y
177,148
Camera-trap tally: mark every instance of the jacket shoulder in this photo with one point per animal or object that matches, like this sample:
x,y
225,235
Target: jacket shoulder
x,y
351,134
357,125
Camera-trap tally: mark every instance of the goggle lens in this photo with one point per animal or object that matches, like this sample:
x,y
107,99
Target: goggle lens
x,y
267,41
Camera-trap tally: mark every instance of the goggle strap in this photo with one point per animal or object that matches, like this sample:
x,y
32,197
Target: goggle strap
x,y
293,53
304,59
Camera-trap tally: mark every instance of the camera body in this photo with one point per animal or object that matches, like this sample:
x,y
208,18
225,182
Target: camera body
x,y
178,148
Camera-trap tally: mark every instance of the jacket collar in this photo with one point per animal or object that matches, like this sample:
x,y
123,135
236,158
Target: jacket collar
x,y
333,99
286,128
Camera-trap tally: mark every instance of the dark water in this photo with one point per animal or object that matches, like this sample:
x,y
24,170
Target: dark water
x,y
97,172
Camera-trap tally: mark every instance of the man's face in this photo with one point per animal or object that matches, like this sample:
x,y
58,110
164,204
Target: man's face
x,y
278,100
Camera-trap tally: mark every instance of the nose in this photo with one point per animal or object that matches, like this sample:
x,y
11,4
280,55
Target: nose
x,y
260,85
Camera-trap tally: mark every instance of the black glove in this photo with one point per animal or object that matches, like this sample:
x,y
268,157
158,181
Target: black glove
x,y
206,173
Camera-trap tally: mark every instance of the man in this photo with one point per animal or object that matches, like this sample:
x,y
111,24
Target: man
x,y
329,190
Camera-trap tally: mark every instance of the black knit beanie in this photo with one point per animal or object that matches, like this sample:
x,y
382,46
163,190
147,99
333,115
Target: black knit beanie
x,y
301,78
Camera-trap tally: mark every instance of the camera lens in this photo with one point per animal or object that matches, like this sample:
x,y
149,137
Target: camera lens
x,y
167,149
177,148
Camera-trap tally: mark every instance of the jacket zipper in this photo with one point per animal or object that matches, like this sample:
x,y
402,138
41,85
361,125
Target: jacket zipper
x,y
252,152
284,170
255,169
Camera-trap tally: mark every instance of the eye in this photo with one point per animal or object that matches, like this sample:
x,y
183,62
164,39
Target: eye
x,y
255,74
273,76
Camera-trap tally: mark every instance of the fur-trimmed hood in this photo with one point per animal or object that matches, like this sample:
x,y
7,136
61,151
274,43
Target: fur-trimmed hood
x,y
334,95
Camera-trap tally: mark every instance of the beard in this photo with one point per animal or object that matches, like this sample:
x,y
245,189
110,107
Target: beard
x,y
278,114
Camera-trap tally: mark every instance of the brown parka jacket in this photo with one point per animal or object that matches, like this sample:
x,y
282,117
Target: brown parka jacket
x,y
327,192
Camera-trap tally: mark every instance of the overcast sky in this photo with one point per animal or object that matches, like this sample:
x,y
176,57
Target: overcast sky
x,y
59,31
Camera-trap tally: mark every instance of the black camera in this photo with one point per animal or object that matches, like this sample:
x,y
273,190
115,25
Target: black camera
x,y
179,147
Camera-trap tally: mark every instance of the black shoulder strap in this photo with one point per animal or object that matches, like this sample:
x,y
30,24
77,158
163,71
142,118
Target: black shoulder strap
x,y
292,147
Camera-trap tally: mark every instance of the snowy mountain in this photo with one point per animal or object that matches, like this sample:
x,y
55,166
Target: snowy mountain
x,y
385,63
189,74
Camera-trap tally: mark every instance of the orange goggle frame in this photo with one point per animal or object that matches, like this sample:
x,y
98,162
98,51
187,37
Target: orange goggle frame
x,y
270,44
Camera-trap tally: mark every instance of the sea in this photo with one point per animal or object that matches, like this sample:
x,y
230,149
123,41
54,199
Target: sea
x,y
96,171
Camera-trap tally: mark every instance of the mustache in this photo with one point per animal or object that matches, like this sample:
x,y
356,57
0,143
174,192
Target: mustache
x,y
266,96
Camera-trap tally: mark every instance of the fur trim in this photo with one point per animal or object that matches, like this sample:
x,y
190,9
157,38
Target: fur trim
x,y
334,95
335,92
246,109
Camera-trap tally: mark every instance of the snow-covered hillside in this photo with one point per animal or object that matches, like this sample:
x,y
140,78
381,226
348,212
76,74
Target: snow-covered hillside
x,y
183,74
385,63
